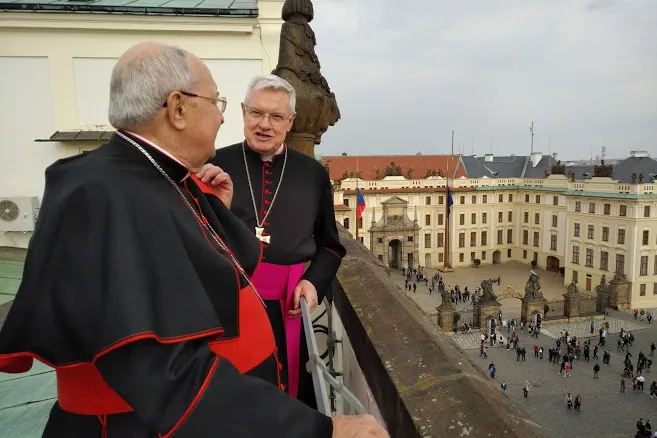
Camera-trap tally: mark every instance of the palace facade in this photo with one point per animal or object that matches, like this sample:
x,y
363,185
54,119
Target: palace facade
x,y
509,208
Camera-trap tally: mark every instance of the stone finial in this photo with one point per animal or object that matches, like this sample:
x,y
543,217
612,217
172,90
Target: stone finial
x,y
301,7
619,278
572,289
316,106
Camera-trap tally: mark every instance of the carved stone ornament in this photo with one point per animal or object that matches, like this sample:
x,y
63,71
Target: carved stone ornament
x,y
619,278
316,106
487,294
603,287
572,289
533,287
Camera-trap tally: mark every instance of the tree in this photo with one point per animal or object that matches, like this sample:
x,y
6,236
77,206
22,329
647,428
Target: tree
x,y
603,170
558,168
393,170
345,175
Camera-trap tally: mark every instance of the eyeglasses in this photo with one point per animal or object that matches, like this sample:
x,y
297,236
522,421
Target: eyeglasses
x,y
274,119
221,102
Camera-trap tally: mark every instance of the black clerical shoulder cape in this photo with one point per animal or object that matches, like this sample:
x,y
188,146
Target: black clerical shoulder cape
x,y
129,298
300,223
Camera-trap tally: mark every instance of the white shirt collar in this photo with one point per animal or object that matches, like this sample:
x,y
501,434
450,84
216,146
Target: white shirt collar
x,y
271,156
159,149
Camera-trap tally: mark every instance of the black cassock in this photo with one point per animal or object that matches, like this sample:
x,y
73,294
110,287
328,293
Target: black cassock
x,y
301,225
127,296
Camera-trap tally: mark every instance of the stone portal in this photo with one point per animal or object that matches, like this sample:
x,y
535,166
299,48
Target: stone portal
x,y
620,291
533,303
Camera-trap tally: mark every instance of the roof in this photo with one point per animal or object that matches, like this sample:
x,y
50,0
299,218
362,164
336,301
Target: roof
x,y
368,164
639,165
232,8
25,399
340,207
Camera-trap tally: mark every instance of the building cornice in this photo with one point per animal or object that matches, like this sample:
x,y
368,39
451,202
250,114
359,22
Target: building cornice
x,y
123,22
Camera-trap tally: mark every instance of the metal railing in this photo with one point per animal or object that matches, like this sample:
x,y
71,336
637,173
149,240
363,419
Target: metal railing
x,y
320,374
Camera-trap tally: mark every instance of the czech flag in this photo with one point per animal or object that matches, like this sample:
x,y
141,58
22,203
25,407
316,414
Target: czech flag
x,y
360,204
450,201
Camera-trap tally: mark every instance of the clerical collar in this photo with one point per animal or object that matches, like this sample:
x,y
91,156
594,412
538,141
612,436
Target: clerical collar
x,y
270,157
164,152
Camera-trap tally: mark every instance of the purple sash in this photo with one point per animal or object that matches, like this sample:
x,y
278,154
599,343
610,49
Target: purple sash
x,y
277,282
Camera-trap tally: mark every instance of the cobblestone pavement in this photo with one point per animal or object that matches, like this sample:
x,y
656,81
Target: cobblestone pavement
x,y
583,328
605,411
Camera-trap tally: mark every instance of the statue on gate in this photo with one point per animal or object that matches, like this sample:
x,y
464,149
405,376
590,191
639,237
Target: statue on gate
x,y
533,286
487,294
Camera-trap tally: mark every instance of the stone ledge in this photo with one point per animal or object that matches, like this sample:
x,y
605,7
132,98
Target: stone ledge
x,y
423,384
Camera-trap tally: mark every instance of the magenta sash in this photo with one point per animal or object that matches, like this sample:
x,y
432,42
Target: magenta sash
x,y
277,282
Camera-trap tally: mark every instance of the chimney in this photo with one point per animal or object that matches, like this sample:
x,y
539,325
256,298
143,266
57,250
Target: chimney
x,y
639,154
344,154
554,156
536,157
488,157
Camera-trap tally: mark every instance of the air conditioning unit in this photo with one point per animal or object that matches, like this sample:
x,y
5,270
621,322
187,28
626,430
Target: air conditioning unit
x,y
18,213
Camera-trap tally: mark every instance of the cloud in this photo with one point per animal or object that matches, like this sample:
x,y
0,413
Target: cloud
x,y
406,73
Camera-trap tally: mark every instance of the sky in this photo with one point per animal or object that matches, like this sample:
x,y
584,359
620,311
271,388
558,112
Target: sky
x,y
408,72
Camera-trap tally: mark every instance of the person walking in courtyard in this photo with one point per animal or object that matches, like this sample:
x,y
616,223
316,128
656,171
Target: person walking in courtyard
x,y
503,386
525,389
566,372
569,401
578,402
622,389
596,369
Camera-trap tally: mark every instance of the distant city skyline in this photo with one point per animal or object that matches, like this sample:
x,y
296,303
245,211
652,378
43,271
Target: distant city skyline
x,y
583,72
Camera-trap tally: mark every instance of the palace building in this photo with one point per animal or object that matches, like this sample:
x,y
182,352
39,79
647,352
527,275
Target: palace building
x,y
583,221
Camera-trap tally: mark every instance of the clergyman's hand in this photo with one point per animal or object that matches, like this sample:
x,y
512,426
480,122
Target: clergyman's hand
x,y
219,181
357,426
303,289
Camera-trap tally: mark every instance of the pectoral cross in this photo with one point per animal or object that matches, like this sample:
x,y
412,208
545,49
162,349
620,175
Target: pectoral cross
x,y
258,232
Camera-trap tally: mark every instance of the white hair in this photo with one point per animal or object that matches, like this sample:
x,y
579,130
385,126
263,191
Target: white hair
x,y
140,86
271,82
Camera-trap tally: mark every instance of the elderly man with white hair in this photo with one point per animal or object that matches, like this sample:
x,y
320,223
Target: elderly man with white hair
x,y
137,284
285,197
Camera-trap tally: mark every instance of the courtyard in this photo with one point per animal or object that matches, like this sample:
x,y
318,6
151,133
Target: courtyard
x,y
605,410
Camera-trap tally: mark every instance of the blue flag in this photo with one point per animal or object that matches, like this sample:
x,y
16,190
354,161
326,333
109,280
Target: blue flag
x,y
450,201
360,204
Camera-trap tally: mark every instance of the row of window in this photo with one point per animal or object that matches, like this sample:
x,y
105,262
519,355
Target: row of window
x,y
590,234
606,209
620,261
484,217
461,199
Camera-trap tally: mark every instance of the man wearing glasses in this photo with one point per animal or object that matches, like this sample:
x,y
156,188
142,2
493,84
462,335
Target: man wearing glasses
x,y
285,198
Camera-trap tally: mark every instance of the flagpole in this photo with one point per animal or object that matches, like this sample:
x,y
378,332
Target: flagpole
x,y
357,206
446,258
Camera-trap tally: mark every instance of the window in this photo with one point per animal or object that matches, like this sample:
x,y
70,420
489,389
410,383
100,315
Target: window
x,y
379,240
427,200
553,242
461,240
526,199
473,238
500,237
589,257
345,223
427,220
484,217
474,199
591,232
427,240
510,198
537,217
500,216
591,207
622,210
441,240
483,255
409,238
538,199
646,211
605,234
535,238
510,216
604,260
508,252
461,219
501,198
578,206
524,253
607,209
525,237
473,218
621,236
576,230
509,236
440,219
345,201
646,237
576,254
484,199
643,268
654,269
460,257
440,257
575,277
654,289
554,221
440,200
555,200
620,263
472,256
484,238
462,200
642,290
526,217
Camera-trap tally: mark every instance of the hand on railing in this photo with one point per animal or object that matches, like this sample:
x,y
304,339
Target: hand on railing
x,y
358,426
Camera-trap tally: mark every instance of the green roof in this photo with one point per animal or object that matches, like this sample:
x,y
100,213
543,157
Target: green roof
x,y
610,195
515,187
